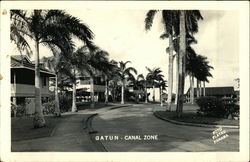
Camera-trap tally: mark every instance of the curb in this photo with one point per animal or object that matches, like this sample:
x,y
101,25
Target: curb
x,y
196,125
86,123
88,126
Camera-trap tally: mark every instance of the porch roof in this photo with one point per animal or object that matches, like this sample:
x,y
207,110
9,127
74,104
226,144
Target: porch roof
x,y
22,62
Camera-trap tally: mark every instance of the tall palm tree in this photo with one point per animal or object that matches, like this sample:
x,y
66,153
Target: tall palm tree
x,y
143,83
202,72
70,69
50,28
182,53
170,21
191,65
111,79
109,70
124,73
137,83
162,86
99,63
53,63
154,75
188,24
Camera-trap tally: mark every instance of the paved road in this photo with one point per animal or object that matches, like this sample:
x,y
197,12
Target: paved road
x,y
138,120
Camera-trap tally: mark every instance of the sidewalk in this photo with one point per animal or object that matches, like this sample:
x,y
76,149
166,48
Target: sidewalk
x,y
68,135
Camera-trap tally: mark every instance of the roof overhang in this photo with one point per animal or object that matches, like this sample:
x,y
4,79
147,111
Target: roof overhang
x,y
50,74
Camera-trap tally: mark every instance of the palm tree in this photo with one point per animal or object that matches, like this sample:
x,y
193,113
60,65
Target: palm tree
x,y
53,63
143,83
99,63
52,28
170,21
162,86
202,71
154,75
124,73
138,84
182,54
109,71
111,79
191,65
188,24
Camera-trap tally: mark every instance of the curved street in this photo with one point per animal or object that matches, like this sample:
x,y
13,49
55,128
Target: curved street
x,y
123,130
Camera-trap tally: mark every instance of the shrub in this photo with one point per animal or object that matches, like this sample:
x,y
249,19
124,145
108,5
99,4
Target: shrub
x,y
18,110
211,106
65,103
49,107
232,109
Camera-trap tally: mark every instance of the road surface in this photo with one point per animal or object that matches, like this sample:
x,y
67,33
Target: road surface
x,y
136,129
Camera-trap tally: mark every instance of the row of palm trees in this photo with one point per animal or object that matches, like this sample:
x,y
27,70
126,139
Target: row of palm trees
x,y
180,27
56,30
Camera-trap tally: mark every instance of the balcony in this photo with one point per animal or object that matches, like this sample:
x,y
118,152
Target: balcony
x,y
25,90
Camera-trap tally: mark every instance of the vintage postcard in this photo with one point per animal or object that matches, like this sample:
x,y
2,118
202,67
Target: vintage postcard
x,y
124,81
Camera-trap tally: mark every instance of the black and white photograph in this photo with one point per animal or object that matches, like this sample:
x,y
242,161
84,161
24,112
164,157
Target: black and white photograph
x,y
109,78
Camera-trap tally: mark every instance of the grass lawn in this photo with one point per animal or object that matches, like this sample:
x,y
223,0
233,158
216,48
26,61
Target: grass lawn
x,y
22,128
191,117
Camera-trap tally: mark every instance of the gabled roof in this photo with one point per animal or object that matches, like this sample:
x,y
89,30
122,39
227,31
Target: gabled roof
x,y
22,61
210,91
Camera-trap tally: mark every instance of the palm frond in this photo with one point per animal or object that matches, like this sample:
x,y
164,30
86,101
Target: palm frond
x,y
149,19
164,36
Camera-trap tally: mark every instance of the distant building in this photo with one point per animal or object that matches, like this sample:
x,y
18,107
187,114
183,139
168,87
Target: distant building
x,y
84,86
23,80
219,92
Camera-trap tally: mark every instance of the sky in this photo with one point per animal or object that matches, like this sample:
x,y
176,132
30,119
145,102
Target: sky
x,y
122,34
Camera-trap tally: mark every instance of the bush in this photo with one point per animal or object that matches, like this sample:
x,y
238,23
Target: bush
x,y
18,110
49,107
65,103
232,109
211,106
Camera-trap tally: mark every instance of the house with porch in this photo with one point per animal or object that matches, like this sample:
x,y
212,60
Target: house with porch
x,y
23,82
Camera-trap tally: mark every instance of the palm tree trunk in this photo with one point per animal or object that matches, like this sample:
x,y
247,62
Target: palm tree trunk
x,y
181,64
204,89
122,95
74,108
106,91
177,78
153,93
170,71
161,96
14,97
192,90
38,120
146,94
57,109
92,92
197,89
200,88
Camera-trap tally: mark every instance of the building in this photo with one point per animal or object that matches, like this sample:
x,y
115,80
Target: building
x,y
84,87
23,81
219,92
